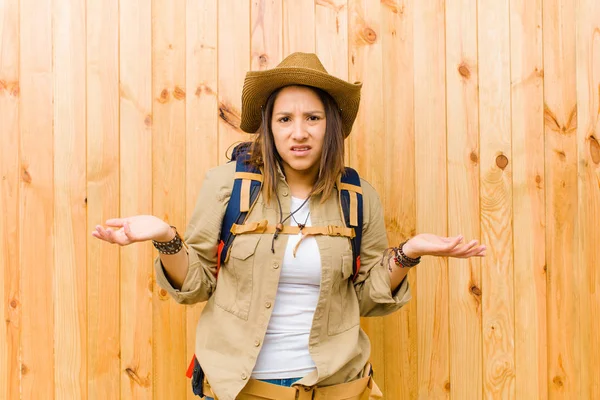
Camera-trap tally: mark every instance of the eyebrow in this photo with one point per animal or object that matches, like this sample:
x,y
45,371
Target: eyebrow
x,y
306,113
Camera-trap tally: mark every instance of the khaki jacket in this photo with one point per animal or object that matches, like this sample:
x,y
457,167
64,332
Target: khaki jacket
x,y
239,304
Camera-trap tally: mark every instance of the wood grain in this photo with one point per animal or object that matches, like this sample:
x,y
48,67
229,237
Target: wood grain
x,y
266,47
529,232
233,63
431,196
169,186
368,134
103,283
496,200
36,199
135,33
201,122
588,149
464,276
331,26
10,296
562,234
400,339
298,26
70,286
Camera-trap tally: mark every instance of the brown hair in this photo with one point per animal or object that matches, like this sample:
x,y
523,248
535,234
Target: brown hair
x,y
265,155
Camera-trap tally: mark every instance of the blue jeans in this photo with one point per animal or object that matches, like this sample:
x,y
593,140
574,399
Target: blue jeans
x,y
287,382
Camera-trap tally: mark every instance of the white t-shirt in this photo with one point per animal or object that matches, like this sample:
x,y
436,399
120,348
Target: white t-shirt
x,y
285,347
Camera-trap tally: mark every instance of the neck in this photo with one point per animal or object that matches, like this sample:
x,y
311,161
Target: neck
x,y
301,184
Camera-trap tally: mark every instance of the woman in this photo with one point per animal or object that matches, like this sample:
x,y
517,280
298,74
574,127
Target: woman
x,y
282,319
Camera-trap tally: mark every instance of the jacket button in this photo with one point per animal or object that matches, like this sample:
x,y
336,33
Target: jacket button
x,y
244,376
284,193
268,304
275,265
257,343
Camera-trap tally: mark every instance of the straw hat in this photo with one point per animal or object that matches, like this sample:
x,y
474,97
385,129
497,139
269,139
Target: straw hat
x,y
297,69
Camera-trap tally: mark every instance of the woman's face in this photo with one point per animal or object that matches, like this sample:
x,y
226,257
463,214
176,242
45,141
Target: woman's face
x,y
298,124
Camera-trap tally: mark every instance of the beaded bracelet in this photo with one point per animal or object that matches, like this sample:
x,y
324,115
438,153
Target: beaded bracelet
x,y
400,259
173,246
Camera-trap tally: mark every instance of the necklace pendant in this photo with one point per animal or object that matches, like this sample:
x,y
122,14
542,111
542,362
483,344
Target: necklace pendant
x,y
301,226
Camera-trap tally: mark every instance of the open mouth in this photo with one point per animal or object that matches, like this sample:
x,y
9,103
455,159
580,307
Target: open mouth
x,y
300,150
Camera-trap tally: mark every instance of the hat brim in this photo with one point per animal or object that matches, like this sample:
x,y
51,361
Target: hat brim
x,y
259,85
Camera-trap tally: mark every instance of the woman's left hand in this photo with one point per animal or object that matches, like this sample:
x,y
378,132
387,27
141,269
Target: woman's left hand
x,y
427,244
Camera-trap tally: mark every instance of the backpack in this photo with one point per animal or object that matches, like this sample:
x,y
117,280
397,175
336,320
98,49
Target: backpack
x,y
246,188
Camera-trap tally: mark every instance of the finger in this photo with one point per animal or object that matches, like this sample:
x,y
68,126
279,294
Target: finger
x,y
127,231
115,222
101,233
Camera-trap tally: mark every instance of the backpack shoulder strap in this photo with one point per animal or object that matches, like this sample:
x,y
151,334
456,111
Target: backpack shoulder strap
x,y
351,203
246,188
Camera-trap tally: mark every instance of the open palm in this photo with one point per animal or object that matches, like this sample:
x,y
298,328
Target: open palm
x,y
124,231
434,245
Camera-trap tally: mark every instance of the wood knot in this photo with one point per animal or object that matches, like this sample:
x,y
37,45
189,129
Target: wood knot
x,y
464,71
538,179
148,120
229,115
502,161
15,90
447,386
594,150
25,176
164,96
369,35
162,294
24,369
475,291
14,303
179,93
474,157
132,374
558,381
263,61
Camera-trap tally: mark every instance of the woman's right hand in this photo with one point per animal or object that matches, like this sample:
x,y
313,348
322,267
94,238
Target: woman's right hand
x,y
139,228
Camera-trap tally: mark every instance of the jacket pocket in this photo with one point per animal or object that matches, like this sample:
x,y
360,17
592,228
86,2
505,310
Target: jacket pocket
x,y
234,284
344,311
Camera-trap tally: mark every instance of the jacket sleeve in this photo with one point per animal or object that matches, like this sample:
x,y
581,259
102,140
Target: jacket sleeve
x,y
201,236
373,286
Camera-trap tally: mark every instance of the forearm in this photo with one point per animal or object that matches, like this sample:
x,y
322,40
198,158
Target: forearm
x,y
175,265
397,274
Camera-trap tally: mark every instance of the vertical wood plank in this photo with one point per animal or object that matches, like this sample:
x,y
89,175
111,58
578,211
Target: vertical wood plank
x,y
368,137
431,196
496,199
135,33
103,283
201,122
529,209
400,341
463,197
265,36
563,267
70,284
588,135
298,26
10,309
36,196
233,62
168,176
331,26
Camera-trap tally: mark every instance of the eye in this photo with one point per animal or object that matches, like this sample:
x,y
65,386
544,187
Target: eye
x,y
314,118
284,119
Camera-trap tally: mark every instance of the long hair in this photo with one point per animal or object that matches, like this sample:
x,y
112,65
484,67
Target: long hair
x,y
264,153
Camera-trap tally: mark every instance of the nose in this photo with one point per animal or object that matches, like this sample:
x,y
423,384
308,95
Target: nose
x,y
299,131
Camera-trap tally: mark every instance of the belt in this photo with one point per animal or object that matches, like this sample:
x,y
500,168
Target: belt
x,y
359,389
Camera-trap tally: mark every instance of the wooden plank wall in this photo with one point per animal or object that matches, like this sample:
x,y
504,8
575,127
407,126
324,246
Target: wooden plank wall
x,y
479,117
